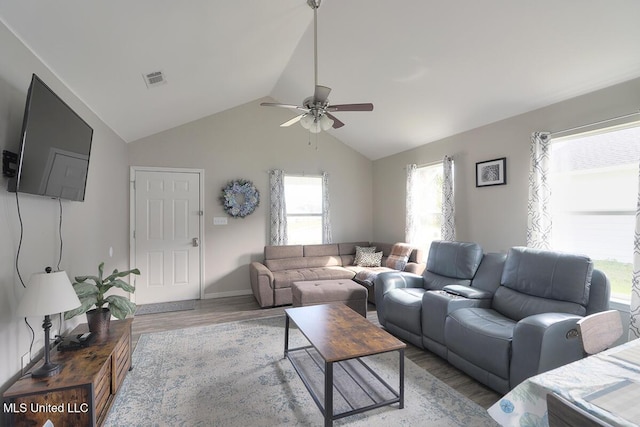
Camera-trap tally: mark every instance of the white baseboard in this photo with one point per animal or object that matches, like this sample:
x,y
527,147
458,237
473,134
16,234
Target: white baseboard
x,y
227,294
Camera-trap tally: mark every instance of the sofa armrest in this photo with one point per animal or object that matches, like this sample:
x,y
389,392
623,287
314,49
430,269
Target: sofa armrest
x,y
543,342
415,267
467,292
387,281
397,279
262,284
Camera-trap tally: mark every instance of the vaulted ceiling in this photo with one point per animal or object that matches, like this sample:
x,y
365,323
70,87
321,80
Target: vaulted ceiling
x,y
432,68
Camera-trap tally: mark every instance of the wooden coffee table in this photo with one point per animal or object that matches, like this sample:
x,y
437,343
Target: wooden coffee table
x,y
339,336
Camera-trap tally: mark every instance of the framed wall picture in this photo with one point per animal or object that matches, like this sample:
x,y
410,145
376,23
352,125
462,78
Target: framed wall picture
x,y
491,172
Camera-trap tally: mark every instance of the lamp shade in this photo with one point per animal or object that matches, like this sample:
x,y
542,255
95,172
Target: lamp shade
x,y
315,127
306,121
326,122
48,293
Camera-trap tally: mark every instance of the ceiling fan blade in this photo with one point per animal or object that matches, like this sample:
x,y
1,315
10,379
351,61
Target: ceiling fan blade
x,y
296,119
337,124
351,107
275,104
321,94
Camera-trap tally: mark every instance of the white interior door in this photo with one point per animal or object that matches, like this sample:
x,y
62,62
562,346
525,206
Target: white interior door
x,y
167,234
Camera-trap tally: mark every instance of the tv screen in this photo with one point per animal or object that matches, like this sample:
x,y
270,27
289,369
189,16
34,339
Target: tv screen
x,y
55,146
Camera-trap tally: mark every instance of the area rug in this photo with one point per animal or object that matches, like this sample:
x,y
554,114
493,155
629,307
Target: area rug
x,y
165,307
234,374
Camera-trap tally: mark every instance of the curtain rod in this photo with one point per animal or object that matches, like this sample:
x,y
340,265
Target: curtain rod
x,y
424,165
301,174
596,123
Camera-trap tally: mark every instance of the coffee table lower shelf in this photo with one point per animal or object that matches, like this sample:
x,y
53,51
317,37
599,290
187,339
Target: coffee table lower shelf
x,y
345,388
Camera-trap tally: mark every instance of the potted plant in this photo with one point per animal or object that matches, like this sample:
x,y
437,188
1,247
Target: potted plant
x,y
91,291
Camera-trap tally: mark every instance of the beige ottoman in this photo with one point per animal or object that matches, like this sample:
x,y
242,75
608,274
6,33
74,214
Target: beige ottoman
x,y
346,291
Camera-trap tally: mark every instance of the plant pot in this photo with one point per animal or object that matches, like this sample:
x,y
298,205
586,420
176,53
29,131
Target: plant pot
x,y
99,320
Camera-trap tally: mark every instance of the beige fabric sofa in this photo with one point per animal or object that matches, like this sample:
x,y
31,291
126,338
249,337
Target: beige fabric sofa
x,y
271,279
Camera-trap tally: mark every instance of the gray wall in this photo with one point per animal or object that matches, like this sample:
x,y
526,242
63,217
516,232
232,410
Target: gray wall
x,y
246,142
495,217
89,229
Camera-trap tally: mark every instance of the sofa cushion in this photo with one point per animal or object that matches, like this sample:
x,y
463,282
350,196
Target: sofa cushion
x,y
286,251
350,248
548,274
384,247
454,259
284,278
536,281
348,251
370,259
323,261
417,255
489,272
481,337
302,262
517,305
360,250
320,250
280,264
399,256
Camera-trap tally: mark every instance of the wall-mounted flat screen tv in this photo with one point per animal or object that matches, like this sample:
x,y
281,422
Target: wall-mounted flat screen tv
x,y
55,146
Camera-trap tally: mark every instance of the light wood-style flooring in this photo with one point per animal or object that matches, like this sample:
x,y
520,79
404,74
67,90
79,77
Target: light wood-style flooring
x,y
231,309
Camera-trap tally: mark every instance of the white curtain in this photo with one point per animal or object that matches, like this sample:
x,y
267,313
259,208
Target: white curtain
x,y
278,208
326,218
634,322
448,206
409,224
538,210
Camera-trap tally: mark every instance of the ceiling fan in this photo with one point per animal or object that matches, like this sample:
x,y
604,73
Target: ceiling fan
x,y
316,109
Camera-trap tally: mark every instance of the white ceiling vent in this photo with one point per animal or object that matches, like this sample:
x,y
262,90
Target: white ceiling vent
x,y
154,79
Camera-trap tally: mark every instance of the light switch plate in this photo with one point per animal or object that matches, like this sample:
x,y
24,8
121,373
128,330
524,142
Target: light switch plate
x,y
26,359
219,220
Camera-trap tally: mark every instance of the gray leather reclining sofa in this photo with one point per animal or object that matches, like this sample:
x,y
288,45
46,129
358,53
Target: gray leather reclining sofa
x,y
501,318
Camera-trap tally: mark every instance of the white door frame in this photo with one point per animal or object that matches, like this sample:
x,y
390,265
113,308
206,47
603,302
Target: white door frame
x,y
132,217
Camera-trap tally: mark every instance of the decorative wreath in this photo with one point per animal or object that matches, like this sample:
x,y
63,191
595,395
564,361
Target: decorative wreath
x,y
240,198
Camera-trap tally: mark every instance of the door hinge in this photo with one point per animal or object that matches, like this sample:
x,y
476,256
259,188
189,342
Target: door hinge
x,y
200,213
134,234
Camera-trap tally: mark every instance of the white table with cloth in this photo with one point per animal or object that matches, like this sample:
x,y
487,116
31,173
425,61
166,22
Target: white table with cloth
x,y
606,384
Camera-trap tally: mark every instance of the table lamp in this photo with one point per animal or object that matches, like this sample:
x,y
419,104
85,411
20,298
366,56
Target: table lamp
x,y
47,293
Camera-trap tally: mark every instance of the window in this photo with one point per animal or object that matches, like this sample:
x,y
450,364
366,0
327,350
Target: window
x,y
427,204
594,191
303,197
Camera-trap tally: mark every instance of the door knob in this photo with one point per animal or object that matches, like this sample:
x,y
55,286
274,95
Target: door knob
x,y
195,242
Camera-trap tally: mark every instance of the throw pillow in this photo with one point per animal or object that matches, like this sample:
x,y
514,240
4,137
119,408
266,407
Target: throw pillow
x,y
370,259
361,250
399,256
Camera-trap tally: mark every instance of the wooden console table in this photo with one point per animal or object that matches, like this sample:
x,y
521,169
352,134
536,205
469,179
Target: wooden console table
x,y
82,393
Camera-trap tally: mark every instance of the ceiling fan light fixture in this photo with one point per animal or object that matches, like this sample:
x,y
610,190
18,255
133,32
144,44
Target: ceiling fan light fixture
x,y
316,108
315,126
325,122
306,121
